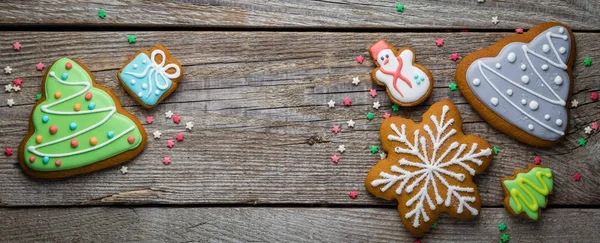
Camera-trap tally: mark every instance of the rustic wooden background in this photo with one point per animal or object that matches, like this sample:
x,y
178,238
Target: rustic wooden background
x,y
258,76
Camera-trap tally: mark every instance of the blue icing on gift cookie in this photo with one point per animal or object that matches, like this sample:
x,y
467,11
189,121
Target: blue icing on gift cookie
x,y
150,78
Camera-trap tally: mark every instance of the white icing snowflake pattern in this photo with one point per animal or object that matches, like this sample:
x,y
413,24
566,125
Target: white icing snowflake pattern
x,y
433,169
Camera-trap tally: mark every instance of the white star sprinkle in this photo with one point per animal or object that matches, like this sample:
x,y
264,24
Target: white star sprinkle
x,y
8,87
495,20
124,170
376,105
341,148
351,123
168,114
331,104
382,155
355,80
7,70
574,103
157,134
587,130
189,125
16,88
10,102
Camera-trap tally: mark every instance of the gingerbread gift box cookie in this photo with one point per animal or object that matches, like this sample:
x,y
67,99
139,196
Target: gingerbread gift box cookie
x,y
526,192
151,75
522,84
429,167
77,126
406,82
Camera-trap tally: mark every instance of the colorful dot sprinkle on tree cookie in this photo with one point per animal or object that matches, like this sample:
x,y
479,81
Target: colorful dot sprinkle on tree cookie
x,y
63,140
525,193
429,167
150,75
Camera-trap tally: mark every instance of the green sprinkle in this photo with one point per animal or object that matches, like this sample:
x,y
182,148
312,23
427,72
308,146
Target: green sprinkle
x,y
400,7
395,107
496,150
587,62
102,13
370,116
581,142
434,225
131,39
452,86
504,238
38,97
502,227
374,149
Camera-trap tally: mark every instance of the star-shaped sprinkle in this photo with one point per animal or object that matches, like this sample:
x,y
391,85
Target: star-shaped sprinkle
x,y
360,59
124,170
40,66
331,103
587,62
395,107
341,148
179,137
537,160
149,119
373,93
170,143
382,155
189,125
496,150
454,56
587,130
577,177
351,123
386,115
101,13
519,30
336,129
176,119
374,149
17,46
502,227
157,134
439,42
10,102
356,80
353,194
400,7
166,160
38,96
595,125
16,88
594,96
8,87
480,1
376,105
18,82
347,101
504,238
168,114
8,151
452,86
335,158
370,116
8,70
574,103
581,142
495,20
131,39
434,225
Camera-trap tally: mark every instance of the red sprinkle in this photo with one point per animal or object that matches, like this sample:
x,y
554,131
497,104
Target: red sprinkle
x,y
336,129
519,30
454,56
577,177
179,137
537,160
31,159
176,119
353,194
57,163
360,59
347,101
53,129
18,82
68,66
74,143
88,96
167,160
8,151
131,139
594,96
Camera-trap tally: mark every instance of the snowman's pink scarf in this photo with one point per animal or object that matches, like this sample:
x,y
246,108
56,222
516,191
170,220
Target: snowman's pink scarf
x,y
397,75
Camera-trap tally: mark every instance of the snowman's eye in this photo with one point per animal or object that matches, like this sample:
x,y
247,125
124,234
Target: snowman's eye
x,y
387,56
382,58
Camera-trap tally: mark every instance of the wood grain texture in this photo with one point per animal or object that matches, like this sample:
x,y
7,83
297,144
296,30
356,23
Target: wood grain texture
x,y
455,14
256,98
149,224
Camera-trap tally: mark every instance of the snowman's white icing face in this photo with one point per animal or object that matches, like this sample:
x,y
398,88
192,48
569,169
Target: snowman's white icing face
x,y
386,58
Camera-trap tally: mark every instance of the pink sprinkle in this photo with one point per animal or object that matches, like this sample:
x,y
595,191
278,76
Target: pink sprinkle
x,y
537,160
166,160
594,96
179,137
595,125
577,177
454,56
149,119
353,194
360,59
439,42
347,101
335,158
176,119
373,93
336,129
39,66
170,143
519,30
17,46
8,151
386,115
18,82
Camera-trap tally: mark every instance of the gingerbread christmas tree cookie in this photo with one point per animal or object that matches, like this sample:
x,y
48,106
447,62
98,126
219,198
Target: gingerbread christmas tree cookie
x,y
527,190
429,167
77,126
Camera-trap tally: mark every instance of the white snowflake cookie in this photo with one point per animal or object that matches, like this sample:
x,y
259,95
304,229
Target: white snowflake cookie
x,y
429,167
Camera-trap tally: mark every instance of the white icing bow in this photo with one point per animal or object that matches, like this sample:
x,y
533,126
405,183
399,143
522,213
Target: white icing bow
x,y
158,69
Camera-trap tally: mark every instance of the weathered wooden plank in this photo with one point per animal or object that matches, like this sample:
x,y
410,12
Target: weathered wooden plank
x,y
581,14
256,98
149,224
